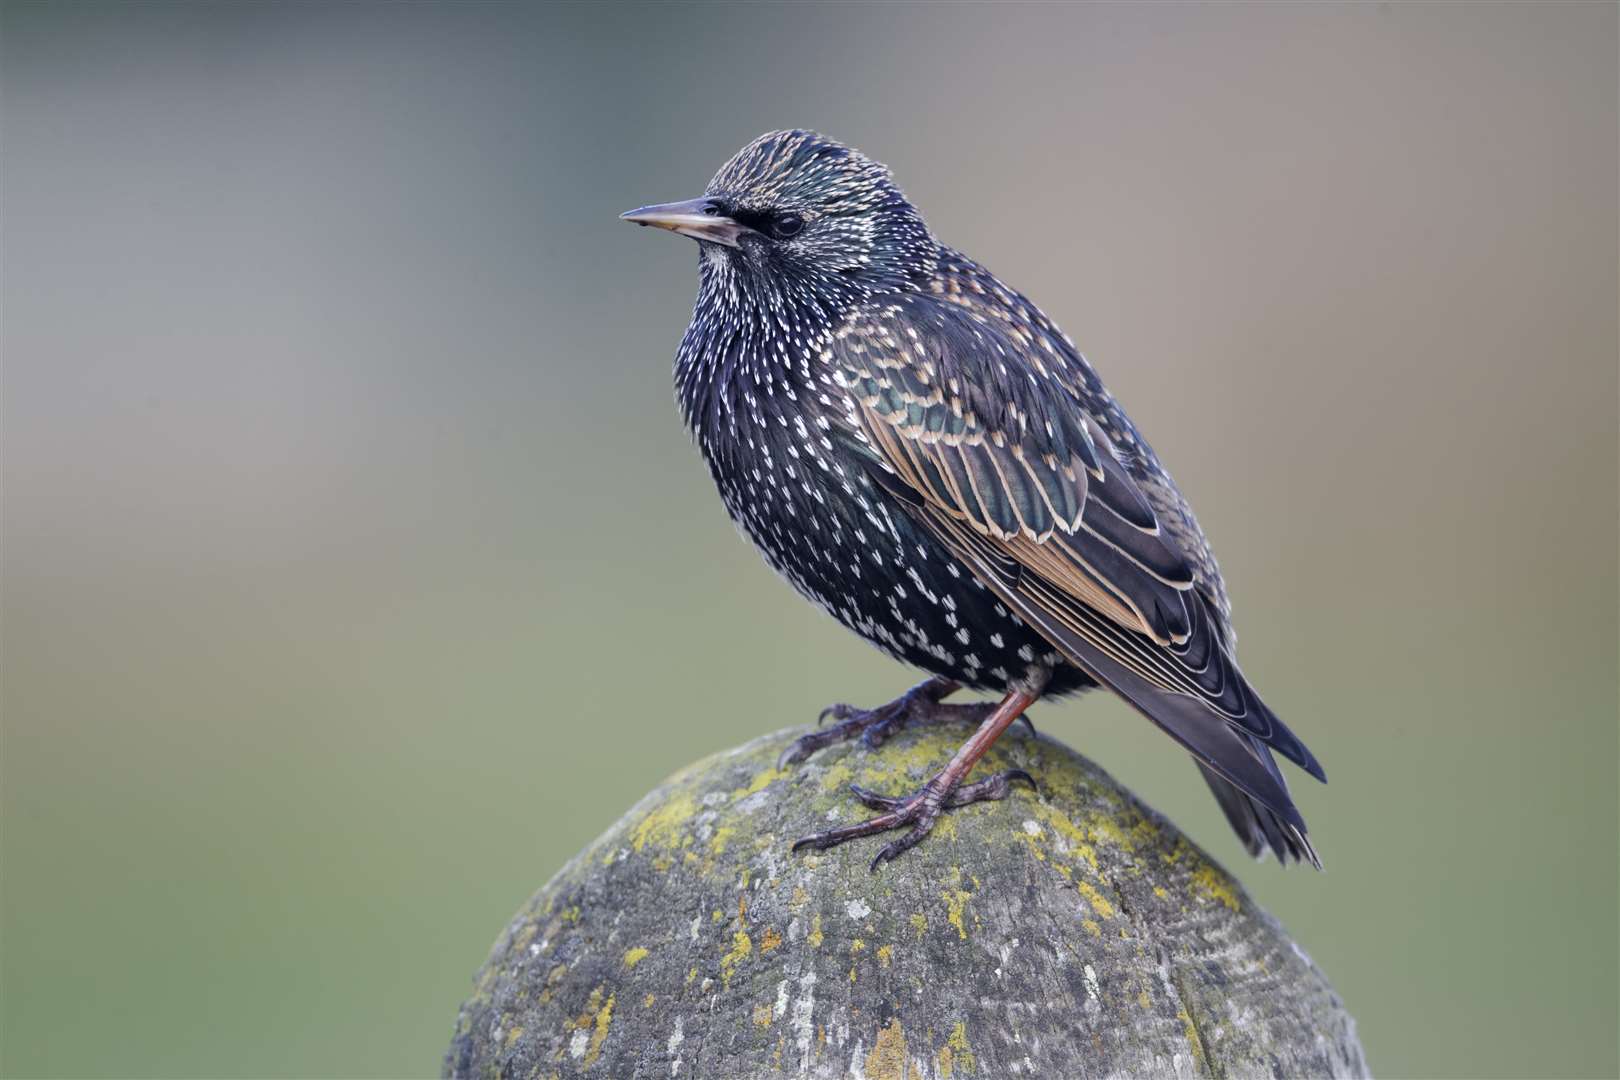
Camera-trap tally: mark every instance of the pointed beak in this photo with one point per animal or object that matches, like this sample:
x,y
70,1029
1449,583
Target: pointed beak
x,y
701,219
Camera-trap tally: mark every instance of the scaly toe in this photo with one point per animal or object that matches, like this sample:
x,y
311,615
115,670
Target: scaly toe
x,y
833,837
895,848
805,745
874,800
885,726
850,723
990,788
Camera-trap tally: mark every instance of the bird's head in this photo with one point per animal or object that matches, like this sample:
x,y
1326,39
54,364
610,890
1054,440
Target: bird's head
x,y
797,208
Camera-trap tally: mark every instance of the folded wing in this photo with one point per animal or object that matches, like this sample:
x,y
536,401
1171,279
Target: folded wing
x,y
1008,466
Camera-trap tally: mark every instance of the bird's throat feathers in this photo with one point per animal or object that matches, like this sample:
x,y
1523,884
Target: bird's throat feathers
x,y
757,333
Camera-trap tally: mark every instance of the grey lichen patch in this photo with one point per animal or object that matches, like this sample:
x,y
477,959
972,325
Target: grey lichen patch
x,y
1074,933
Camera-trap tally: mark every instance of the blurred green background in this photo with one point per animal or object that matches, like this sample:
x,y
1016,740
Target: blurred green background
x,y
357,570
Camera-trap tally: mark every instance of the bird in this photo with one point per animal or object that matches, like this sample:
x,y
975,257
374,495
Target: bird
x,y
917,449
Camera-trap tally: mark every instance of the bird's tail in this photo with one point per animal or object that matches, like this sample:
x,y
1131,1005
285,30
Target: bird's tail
x,y
1235,759
1256,825
1239,767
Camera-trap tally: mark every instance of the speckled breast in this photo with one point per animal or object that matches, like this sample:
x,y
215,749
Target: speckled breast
x,y
842,542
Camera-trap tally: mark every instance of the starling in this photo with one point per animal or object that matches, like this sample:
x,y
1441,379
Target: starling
x,y
917,449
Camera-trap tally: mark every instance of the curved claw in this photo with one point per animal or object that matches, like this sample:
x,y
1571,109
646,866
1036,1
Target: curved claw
x,y
895,848
1019,774
991,788
836,711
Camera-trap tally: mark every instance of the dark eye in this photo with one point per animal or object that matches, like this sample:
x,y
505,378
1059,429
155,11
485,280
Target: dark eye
x,y
787,225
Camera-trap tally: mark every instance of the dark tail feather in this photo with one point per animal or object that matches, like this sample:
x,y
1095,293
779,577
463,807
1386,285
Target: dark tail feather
x,y
1257,827
1274,733
1240,768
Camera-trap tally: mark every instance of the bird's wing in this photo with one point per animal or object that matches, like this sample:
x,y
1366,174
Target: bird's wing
x,y
1002,461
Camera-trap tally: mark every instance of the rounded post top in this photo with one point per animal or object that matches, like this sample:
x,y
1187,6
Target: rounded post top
x,y
1068,933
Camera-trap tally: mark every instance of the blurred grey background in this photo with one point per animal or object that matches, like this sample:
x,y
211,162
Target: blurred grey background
x,y
357,569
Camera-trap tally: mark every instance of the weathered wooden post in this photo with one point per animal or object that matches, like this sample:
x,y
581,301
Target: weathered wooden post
x,y
1070,934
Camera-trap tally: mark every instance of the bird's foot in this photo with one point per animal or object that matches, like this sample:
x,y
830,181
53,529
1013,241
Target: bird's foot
x,y
922,703
919,810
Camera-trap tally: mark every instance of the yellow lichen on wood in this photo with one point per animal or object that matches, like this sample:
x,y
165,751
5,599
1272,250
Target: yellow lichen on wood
x,y
1190,1029
1106,827
1209,881
722,836
593,1003
663,826
1077,840
957,1053
604,1020
1145,833
956,901
597,1018
1035,837
1099,903
634,956
888,1058
741,946
759,783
